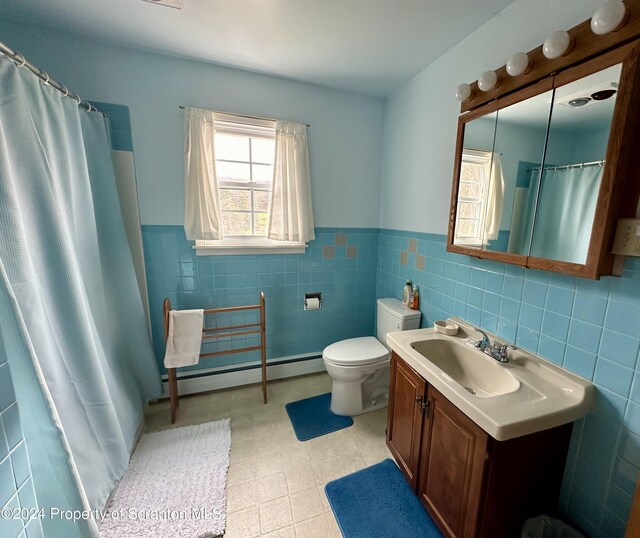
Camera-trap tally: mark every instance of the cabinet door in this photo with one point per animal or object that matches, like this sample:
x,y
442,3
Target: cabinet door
x,y
407,391
454,452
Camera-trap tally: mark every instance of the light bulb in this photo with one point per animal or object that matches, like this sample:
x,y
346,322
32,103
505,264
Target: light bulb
x,y
518,64
487,81
463,92
608,17
556,45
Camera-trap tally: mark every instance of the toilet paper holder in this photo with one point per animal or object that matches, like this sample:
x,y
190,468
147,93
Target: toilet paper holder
x,y
310,304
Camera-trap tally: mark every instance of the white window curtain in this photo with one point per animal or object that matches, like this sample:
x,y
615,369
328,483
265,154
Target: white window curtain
x,y
202,217
291,217
495,199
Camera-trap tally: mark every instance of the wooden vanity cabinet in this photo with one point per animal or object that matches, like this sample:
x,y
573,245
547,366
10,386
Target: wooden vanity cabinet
x,y
453,458
471,484
405,417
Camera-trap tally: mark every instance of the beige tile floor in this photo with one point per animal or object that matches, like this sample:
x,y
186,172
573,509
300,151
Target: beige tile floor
x,y
276,483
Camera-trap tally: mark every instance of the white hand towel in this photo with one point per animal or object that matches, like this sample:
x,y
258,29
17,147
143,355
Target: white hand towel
x,y
185,338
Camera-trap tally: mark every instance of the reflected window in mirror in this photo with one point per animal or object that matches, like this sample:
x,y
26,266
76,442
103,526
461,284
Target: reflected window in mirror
x,y
475,171
475,192
480,198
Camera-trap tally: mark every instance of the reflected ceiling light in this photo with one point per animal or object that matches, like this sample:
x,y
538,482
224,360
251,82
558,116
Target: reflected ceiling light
x,y
580,101
463,92
488,81
518,64
556,45
608,18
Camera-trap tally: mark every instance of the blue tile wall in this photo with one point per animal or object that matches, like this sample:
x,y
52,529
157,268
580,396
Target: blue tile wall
x,y
340,263
16,486
589,327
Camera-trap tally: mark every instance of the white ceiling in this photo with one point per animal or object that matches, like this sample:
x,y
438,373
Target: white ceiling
x,y
367,46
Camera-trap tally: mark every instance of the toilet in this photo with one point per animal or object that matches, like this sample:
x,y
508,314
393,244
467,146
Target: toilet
x,y
359,367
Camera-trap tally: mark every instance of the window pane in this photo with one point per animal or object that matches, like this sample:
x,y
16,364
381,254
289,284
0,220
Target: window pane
x,y
232,171
469,190
472,172
231,148
469,210
261,200
263,151
260,221
235,199
236,223
467,228
262,173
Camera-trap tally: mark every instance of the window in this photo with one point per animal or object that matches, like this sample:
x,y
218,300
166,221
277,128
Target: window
x,y
245,153
244,164
471,212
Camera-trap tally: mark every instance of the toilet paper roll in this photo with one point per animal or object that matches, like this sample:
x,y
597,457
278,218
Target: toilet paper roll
x,y
312,304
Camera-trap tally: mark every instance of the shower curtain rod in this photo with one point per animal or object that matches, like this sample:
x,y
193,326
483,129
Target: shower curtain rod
x,y
21,61
182,107
568,166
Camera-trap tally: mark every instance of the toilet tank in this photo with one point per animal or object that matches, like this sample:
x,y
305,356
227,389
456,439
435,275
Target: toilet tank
x,y
394,316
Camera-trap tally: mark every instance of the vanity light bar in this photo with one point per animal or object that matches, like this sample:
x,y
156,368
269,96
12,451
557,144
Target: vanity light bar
x,y
609,17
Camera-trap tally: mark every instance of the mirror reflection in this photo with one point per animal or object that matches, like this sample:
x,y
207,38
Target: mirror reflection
x,y
474,195
569,182
520,140
530,172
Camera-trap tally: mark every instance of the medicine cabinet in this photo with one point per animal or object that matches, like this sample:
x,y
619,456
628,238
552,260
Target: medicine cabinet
x,y
543,172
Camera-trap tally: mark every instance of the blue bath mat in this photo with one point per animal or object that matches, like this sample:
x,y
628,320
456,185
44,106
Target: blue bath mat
x,y
377,502
312,417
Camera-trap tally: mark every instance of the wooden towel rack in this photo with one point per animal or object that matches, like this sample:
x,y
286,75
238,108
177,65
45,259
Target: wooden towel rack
x,y
212,333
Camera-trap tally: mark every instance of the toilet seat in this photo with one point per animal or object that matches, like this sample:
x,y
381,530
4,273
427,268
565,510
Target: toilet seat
x,y
356,352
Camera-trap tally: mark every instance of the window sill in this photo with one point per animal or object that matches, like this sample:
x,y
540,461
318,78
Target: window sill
x,y
478,243
236,246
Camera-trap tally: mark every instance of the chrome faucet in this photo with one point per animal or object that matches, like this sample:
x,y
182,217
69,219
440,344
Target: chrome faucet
x,y
485,342
495,351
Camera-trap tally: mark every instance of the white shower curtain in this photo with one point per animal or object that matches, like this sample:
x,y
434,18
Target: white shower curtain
x,y
291,216
68,270
566,203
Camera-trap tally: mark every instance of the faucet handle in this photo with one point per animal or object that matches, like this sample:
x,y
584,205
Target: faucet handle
x,y
502,350
485,338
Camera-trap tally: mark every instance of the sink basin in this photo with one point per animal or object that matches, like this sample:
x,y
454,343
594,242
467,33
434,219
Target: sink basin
x,y
479,374
525,395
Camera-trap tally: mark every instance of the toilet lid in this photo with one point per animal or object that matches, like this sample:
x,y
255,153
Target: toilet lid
x,y
356,352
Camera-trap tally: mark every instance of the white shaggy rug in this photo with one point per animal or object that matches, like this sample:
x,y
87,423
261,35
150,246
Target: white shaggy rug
x,y
175,485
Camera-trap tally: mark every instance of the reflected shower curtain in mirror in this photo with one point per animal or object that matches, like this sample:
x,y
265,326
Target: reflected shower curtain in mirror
x,y
66,267
566,204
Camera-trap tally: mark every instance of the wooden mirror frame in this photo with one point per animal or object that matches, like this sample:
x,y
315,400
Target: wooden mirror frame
x,y
620,184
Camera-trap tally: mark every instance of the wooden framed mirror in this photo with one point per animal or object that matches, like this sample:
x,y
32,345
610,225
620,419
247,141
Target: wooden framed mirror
x,y
542,172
